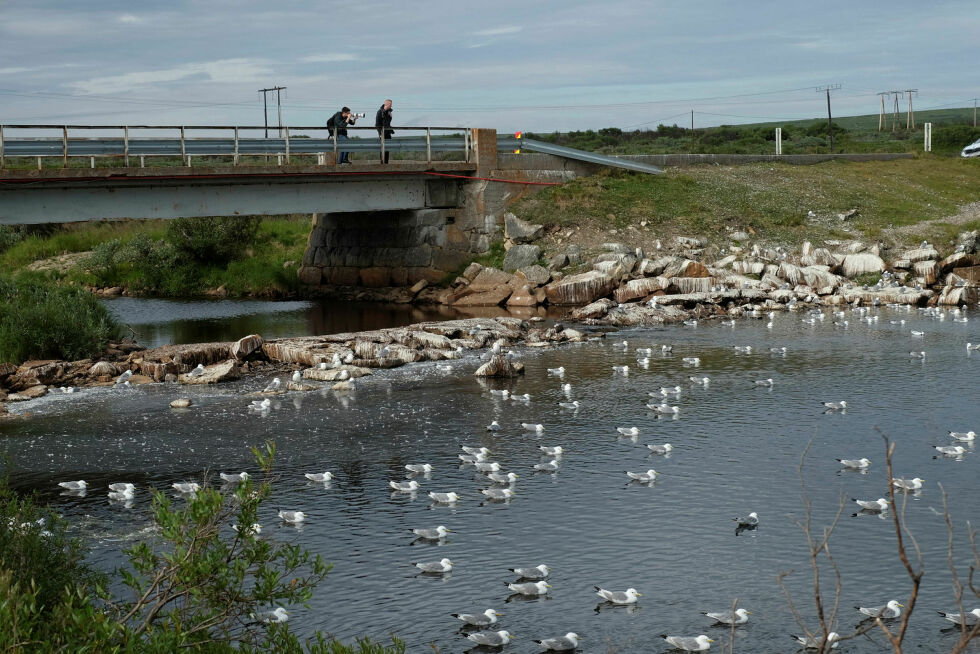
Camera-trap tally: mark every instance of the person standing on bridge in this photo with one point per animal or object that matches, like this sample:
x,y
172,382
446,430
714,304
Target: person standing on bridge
x,y
383,122
338,123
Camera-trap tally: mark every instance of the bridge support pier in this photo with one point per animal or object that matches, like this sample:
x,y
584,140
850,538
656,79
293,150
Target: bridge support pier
x,y
387,248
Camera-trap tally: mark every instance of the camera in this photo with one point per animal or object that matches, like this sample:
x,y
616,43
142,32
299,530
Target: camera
x,y
353,115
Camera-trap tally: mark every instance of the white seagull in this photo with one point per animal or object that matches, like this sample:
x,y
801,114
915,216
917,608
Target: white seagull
x,y
565,643
319,476
491,638
855,464
292,517
887,612
643,477
689,643
436,567
431,534
404,486
629,596
484,619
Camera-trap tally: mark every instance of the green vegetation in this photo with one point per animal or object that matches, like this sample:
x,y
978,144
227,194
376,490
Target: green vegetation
x,y
952,130
39,320
771,199
177,258
199,586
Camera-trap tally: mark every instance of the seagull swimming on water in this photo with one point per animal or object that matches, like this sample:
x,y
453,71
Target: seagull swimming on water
x,y
186,487
319,476
689,643
535,427
529,589
79,485
493,426
835,406
419,468
963,436
565,643
292,517
484,619
556,450
887,612
666,448
817,643
436,567
643,477
491,638
404,486
628,431
233,478
875,506
950,450
740,616
629,596
970,618
855,464
503,478
908,484
431,534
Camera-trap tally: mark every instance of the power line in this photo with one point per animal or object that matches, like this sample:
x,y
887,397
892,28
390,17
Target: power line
x,y
265,106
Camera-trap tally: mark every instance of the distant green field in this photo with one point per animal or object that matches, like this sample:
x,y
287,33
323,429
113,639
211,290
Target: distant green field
x,y
952,130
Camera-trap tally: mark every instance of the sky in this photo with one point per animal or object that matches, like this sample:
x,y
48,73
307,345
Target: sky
x,y
532,65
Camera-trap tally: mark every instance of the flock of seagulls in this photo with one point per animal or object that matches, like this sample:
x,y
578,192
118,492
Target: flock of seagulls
x,y
501,486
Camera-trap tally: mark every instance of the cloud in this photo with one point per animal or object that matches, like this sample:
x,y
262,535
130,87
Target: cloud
x,y
329,57
222,71
129,19
15,70
499,31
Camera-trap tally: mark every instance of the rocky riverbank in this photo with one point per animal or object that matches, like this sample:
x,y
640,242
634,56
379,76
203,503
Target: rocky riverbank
x,y
625,285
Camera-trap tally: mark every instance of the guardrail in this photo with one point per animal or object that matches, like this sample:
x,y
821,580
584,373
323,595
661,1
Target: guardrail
x,y
292,141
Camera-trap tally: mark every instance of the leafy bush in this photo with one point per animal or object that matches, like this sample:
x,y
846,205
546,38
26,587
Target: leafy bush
x,y
213,240
39,320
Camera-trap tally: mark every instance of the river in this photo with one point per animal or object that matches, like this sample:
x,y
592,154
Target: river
x,y
736,450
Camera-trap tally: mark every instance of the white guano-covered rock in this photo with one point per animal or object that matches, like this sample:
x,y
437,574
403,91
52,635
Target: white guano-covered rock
x,y
580,289
861,263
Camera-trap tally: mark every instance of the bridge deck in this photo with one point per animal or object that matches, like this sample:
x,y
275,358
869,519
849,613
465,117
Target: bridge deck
x,y
242,173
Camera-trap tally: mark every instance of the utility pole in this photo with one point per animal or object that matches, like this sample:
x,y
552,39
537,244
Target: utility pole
x,y
265,107
895,109
882,118
692,121
830,122
910,116
974,112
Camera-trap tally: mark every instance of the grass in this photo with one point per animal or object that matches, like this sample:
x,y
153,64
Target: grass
x,y
260,271
771,199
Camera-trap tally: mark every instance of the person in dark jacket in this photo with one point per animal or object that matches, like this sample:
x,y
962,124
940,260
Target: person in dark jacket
x,y
340,121
383,122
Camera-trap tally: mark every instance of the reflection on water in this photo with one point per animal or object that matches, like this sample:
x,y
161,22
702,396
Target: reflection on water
x,y
736,447
164,322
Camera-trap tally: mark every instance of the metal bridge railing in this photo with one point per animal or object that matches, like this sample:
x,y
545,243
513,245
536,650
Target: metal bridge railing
x,y
124,142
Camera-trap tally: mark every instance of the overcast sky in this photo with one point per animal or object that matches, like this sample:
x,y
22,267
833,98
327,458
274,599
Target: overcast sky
x,y
531,65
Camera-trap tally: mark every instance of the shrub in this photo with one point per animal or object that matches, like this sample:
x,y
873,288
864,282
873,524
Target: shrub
x,y
39,320
213,240
199,586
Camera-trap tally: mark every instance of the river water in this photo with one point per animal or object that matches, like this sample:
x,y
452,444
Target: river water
x,y
163,322
736,450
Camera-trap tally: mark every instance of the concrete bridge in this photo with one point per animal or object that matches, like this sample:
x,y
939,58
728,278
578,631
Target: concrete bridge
x,y
372,224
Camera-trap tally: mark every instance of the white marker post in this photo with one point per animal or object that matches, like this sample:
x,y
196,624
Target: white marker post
x,y
779,140
927,135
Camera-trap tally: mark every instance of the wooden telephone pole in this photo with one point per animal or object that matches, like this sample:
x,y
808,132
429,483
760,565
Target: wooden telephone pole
x,y
882,116
830,122
895,109
910,116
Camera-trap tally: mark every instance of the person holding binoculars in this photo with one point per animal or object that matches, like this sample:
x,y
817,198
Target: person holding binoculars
x,y
338,126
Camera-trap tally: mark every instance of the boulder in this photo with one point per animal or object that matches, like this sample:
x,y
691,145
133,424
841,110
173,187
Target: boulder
x,y
520,231
499,366
523,297
29,393
558,262
181,403
597,309
640,288
955,296
955,260
690,242
967,241
724,262
309,275
488,278
485,298
418,287
219,372
748,267
103,369
521,256
924,253
970,274
574,254
579,289
335,374
819,277
692,284
790,273
618,248
245,346
686,268
472,271
927,270
861,263
533,275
